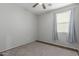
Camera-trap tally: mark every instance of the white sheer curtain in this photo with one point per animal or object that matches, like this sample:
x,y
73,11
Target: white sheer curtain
x,y
72,33
69,30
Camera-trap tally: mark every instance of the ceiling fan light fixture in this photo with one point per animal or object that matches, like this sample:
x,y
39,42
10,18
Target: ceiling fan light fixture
x,y
42,4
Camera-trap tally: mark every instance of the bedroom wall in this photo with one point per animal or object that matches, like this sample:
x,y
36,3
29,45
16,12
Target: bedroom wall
x,y
17,26
45,23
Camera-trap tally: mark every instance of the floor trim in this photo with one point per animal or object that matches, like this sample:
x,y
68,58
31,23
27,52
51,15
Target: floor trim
x,y
59,46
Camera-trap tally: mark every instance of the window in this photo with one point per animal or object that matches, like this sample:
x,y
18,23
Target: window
x,y
63,20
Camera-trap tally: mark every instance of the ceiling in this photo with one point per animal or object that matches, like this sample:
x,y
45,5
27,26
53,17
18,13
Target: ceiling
x,y
39,9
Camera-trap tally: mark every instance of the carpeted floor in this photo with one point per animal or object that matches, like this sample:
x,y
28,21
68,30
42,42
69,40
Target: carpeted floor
x,y
39,49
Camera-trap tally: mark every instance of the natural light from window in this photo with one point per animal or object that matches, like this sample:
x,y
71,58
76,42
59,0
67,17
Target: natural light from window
x,y
63,21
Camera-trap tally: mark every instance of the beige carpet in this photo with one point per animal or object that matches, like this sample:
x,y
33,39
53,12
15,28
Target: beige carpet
x,y
39,49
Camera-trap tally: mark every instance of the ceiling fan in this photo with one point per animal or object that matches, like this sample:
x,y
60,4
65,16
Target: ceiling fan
x,y
42,4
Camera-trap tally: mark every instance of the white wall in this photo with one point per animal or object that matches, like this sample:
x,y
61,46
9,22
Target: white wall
x,y
46,27
46,33
17,26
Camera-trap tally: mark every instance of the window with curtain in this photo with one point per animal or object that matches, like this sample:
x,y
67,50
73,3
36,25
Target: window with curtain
x,y
63,21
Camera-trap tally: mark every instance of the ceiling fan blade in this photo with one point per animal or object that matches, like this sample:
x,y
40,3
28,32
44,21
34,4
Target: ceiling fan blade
x,y
44,7
35,4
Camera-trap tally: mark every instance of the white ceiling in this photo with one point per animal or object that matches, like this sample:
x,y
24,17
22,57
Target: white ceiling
x,y
39,9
